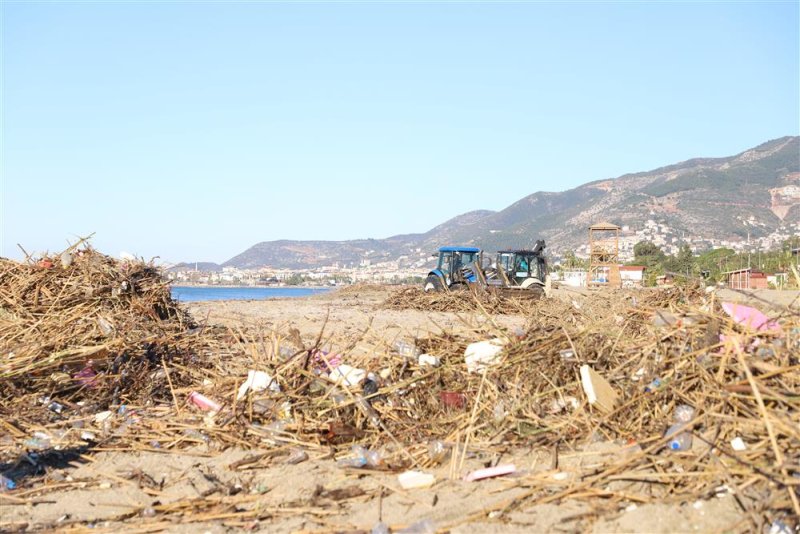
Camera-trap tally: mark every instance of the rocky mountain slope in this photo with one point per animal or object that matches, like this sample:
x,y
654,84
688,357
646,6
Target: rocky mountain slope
x,y
754,192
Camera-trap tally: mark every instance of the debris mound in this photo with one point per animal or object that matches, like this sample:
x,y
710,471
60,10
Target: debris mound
x,y
82,325
461,301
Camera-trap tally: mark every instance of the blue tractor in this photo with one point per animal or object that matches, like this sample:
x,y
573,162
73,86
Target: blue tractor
x,y
457,268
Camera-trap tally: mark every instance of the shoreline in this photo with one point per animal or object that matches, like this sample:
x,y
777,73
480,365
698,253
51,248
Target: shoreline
x,y
227,286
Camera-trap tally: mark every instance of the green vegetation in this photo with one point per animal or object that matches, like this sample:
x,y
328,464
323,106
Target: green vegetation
x,y
709,265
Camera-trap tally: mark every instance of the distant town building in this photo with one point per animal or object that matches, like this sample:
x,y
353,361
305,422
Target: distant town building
x,y
632,275
576,278
746,279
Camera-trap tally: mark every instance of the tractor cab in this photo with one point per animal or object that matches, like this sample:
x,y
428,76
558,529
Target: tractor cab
x,y
522,268
456,268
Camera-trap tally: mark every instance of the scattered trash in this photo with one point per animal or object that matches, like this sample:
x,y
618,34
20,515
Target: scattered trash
x,y
347,375
598,391
257,381
750,317
438,451
415,480
490,472
203,402
66,260
146,353
296,456
483,354
102,417
362,457
426,360
655,385
562,403
453,399
39,441
681,437
404,348
370,386
6,484
779,527
86,377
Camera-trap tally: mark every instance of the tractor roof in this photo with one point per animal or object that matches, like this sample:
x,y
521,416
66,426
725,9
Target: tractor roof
x,y
459,249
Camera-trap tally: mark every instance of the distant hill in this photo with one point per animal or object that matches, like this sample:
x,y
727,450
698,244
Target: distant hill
x,y
722,198
205,266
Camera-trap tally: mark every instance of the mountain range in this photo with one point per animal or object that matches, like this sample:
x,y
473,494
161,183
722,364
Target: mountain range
x,y
749,194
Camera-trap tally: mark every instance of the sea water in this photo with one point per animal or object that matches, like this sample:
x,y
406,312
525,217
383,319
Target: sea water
x,y
199,293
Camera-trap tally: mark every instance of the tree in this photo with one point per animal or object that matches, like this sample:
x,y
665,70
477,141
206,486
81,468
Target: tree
x,y
647,254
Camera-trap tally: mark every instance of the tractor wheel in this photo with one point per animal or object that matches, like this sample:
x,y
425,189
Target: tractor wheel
x,y
432,284
458,286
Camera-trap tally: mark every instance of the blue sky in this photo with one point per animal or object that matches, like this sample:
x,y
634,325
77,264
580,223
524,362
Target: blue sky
x,y
191,131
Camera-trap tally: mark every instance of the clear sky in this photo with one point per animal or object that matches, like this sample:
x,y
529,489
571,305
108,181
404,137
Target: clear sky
x,y
192,131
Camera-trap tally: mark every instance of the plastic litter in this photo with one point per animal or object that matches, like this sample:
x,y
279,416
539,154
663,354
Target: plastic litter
x,y
257,381
779,527
347,375
478,356
415,480
203,402
490,472
404,348
362,457
453,399
750,317
296,456
438,451
681,438
39,441
598,391
6,484
426,360
655,385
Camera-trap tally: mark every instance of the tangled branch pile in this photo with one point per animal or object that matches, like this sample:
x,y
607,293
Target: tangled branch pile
x,y
83,326
462,301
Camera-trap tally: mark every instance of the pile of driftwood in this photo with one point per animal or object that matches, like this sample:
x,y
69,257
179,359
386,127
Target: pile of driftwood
x,y
83,327
464,300
99,329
